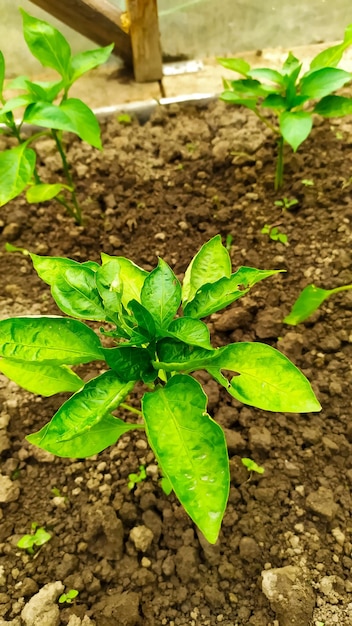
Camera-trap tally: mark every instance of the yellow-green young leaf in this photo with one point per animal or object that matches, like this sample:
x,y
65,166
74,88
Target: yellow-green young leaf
x,y
161,294
47,44
191,331
264,378
211,263
87,60
236,65
17,102
16,170
109,286
295,127
59,340
132,278
42,378
83,425
191,450
44,192
308,301
332,55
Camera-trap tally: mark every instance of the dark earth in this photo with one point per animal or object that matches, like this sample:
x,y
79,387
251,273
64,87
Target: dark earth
x,y
284,555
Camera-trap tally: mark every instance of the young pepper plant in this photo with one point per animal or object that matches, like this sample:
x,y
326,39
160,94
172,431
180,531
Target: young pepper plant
x,y
291,97
160,339
46,105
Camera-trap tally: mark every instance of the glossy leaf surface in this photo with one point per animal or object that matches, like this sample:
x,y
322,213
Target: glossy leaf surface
x,y
176,356
161,294
82,121
83,425
191,331
58,340
308,301
295,127
130,363
44,192
265,378
16,170
211,263
132,277
44,379
191,450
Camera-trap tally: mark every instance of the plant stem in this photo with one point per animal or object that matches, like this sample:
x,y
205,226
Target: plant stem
x,y
266,122
279,173
339,289
77,212
130,408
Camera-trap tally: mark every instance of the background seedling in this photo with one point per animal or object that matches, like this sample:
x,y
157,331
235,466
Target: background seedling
x,y
286,203
274,234
69,596
125,119
308,301
134,479
252,466
156,346
290,97
33,541
308,182
48,106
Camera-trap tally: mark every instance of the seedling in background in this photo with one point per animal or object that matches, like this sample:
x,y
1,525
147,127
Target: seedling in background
x,y
125,119
18,166
69,597
308,301
32,542
134,479
274,234
307,182
252,466
290,97
286,203
140,312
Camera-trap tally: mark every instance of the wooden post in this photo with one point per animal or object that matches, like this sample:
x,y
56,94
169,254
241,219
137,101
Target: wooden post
x,y
98,20
145,39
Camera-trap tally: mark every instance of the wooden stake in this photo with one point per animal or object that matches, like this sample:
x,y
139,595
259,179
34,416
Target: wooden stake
x,y
145,38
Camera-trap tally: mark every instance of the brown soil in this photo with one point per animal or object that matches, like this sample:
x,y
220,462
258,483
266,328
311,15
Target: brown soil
x,y
163,189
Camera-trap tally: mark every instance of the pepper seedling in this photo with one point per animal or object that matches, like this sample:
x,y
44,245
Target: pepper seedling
x,y
289,96
160,339
47,105
33,541
69,596
134,479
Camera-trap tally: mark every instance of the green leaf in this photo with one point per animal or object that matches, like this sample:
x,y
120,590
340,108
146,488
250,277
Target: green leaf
x,y
265,73
47,44
332,55
274,101
295,127
83,121
291,67
130,363
191,331
334,106
16,170
250,88
177,356
323,82
236,65
85,61
57,340
17,102
83,425
214,297
309,300
2,74
44,379
73,286
211,263
110,287
191,450
231,98
264,378
44,192
144,331
20,82
46,91
161,294
132,277
252,466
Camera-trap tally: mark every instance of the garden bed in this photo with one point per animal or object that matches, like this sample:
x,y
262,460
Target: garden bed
x,y
163,189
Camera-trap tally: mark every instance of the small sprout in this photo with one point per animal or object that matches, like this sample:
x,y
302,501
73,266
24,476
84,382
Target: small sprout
x,y
339,135
252,466
16,473
166,485
69,596
191,147
35,540
124,118
10,248
133,479
274,234
308,182
228,242
286,203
